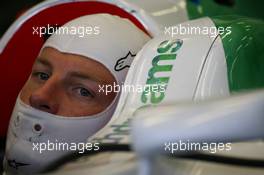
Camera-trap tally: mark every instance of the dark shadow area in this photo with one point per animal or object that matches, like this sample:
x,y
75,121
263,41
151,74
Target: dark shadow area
x,y
2,152
229,3
11,9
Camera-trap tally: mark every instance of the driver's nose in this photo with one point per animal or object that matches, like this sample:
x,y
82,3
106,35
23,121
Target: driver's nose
x,y
44,98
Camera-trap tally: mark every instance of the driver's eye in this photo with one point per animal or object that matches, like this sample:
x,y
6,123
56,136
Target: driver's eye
x,y
84,92
41,76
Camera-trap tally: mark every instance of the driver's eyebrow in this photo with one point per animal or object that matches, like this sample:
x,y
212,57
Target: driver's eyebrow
x,y
43,61
83,76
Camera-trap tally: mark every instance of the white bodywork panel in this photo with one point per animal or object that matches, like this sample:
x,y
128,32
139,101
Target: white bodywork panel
x,y
213,81
184,76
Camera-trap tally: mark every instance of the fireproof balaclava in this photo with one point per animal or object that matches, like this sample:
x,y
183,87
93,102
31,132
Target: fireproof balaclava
x,y
37,139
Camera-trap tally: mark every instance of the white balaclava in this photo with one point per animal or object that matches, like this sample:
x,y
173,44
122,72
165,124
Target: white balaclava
x,y
110,40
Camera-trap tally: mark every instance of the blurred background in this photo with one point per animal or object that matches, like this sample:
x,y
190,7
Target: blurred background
x,y
12,9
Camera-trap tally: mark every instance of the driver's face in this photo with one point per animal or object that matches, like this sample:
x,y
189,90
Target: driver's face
x,y
67,84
